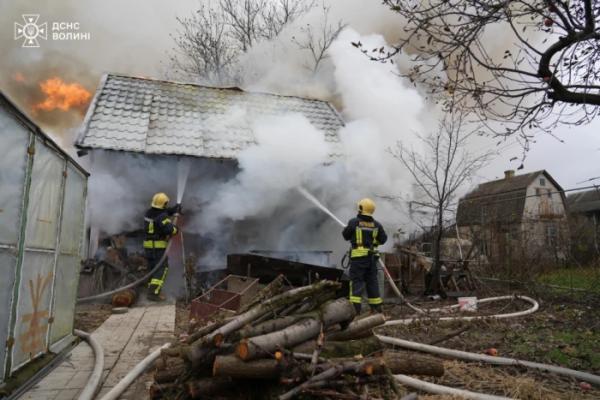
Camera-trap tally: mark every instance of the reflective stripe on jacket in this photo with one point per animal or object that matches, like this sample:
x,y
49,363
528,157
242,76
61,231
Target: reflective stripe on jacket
x,y
158,228
365,235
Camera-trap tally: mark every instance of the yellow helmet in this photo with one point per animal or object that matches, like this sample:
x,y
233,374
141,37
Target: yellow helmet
x,y
160,200
366,206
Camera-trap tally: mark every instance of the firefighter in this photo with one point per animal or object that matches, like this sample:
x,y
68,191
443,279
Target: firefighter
x,y
364,234
158,228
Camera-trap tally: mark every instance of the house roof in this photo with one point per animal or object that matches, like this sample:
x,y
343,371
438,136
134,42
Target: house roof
x,y
161,117
7,104
586,201
500,200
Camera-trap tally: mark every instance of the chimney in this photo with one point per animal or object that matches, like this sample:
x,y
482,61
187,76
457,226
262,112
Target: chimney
x,y
509,173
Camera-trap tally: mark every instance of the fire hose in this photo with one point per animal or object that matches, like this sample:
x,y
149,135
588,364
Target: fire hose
x,y
135,283
92,386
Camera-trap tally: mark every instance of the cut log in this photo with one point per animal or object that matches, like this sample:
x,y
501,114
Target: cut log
x,y
289,297
333,312
207,387
231,366
202,331
408,363
357,328
348,348
267,327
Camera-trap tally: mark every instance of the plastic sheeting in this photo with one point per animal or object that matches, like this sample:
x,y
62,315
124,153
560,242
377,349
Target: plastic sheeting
x,y
8,265
13,162
33,308
67,266
44,198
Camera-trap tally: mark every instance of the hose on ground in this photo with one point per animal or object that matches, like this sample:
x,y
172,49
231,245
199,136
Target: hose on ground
x,y
93,383
440,389
139,369
133,284
534,307
467,356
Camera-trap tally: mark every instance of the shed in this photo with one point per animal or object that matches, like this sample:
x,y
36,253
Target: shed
x,y
152,116
42,220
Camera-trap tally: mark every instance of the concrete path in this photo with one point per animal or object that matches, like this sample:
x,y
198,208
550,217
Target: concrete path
x,y
126,339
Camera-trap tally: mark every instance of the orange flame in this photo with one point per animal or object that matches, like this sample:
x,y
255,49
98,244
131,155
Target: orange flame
x,y
62,96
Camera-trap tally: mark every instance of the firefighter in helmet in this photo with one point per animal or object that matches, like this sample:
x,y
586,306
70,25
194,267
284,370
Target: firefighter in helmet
x,y
158,228
364,234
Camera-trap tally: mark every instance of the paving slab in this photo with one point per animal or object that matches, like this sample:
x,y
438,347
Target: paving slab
x,y
126,339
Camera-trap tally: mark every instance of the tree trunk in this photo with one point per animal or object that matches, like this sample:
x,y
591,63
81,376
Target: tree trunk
x,y
408,363
235,368
333,312
267,327
357,328
434,285
289,297
349,348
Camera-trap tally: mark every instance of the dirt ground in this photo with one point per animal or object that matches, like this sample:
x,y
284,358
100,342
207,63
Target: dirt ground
x,y
88,317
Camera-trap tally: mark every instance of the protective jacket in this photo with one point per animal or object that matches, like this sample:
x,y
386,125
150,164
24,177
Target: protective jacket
x,y
158,228
365,235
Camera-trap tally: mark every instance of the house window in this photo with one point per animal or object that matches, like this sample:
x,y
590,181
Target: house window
x,y
551,235
542,182
549,193
538,192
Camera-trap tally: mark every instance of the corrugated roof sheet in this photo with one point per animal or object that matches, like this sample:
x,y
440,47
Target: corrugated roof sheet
x,y
159,117
502,200
586,201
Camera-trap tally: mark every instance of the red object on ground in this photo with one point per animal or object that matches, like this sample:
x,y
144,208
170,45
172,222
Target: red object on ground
x,y
585,386
491,351
548,22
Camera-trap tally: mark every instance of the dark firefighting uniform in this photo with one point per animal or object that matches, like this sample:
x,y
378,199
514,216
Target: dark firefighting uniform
x,y
364,234
158,229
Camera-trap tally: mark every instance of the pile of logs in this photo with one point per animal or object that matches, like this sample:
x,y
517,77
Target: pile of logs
x,y
300,342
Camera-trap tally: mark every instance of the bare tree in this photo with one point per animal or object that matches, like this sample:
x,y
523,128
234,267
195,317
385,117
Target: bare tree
x,y
439,170
209,42
203,48
317,40
546,73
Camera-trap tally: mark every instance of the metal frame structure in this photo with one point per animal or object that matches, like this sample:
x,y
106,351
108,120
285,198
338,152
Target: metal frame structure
x,y
42,208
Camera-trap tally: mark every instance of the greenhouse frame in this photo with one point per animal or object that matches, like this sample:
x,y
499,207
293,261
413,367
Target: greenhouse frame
x,y
42,240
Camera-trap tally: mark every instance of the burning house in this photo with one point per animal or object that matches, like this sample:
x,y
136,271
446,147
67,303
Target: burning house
x,y
140,134
42,214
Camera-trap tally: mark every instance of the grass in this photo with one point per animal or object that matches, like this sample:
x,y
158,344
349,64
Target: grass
x,y
587,278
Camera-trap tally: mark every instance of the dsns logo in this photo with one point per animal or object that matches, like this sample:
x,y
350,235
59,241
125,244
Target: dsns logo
x,y
31,31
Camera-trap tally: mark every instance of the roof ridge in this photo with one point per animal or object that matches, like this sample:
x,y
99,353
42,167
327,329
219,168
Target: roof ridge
x,y
145,78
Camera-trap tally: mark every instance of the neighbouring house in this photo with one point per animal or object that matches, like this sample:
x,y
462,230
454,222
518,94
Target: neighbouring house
x,y
42,217
584,215
520,217
585,203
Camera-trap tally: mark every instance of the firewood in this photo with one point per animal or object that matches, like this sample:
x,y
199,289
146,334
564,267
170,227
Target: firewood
x,y
348,348
267,327
357,328
408,363
207,387
231,366
283,299
205,330
333,312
